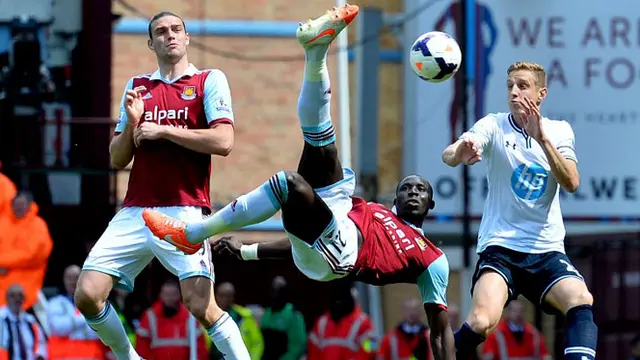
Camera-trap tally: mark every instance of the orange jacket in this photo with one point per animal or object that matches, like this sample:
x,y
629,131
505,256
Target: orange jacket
x,y
25,245
396,345
501,344
351,338
7,192
163,338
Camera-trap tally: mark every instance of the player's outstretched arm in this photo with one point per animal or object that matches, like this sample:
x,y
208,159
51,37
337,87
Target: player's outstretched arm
x,y
469,148
449,154
442,342
465,152
276,249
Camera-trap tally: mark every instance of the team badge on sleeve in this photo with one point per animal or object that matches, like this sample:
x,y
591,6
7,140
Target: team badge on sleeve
x,y
188,93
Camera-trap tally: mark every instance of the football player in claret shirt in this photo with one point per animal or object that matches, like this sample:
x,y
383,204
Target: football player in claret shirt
x,y
331,234
171,121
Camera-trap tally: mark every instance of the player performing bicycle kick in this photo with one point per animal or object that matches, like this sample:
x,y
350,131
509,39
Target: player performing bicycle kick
x,y
331,233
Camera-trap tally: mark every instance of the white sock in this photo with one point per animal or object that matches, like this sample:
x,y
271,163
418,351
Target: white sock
x,y
315,66
109,328
314,102
254,207
227,338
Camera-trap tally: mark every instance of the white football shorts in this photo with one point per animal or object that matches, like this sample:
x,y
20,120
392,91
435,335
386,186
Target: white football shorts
x,y
127,246
334,254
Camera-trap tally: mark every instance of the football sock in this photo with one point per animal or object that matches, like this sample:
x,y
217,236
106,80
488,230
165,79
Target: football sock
x,y
582,334
254,207
227,338
109,328
314,103
466,341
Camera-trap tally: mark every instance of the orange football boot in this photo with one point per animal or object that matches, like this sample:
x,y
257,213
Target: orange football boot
x,y
170,230
323,30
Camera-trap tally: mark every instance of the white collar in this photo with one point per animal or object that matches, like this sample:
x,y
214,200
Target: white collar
x,y
395,211
191,70
13,317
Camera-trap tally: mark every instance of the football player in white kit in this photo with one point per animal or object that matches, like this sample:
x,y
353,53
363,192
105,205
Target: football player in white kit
x,y
521,236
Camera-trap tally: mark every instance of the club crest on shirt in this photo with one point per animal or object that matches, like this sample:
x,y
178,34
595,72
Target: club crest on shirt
x,y
188,93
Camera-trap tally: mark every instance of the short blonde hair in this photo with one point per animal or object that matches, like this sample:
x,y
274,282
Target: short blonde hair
x,y
536,69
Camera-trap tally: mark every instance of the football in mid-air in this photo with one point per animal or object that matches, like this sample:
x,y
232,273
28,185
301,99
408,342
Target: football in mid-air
x,y
435,56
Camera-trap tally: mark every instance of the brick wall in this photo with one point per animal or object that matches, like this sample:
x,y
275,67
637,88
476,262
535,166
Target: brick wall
x,y
265,95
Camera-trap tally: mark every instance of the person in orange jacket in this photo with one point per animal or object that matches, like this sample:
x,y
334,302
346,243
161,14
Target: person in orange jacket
x,y
410,339
344,332
7,192
163,334
25,246
515,338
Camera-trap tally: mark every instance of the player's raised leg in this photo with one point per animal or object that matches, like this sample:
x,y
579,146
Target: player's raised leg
x,y
319,164
290,191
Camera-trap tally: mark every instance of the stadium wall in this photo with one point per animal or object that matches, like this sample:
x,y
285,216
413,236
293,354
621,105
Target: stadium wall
x,y
265,93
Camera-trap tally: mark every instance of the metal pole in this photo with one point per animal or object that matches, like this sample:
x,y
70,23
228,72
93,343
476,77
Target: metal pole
x,y
343,96
369,24
463,78
192,331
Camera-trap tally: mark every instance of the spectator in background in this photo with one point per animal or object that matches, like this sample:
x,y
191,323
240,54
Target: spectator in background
x,y
344,332
71,337
25,246
225,297
283,329
163,332
256,311
21,338
8,191
410,339
515,338
635,348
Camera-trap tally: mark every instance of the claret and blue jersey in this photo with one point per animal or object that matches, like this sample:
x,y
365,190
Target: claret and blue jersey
x,y
394,251
196,100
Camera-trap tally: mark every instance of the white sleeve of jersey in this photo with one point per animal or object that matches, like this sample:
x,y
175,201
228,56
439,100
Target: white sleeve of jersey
x,y
482,131
566,144
217,97
122,118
